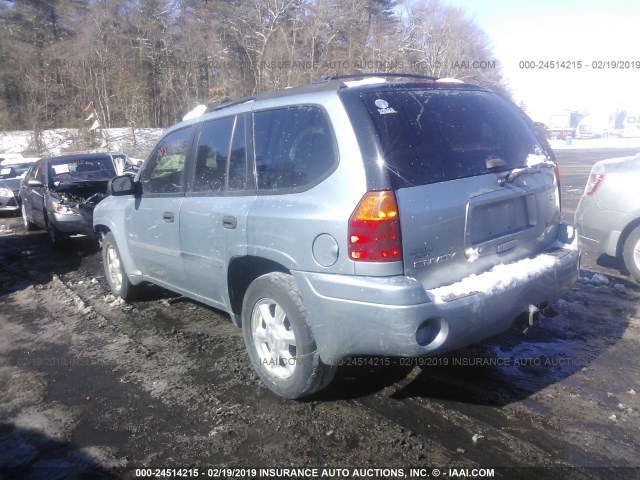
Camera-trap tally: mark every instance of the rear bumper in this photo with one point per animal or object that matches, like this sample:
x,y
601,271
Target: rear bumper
x,y
395,316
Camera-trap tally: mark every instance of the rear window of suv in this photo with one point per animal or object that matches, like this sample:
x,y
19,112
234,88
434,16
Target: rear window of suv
x,y
430,136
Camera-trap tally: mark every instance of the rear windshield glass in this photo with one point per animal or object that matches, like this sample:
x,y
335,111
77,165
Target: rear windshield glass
x,y
434,136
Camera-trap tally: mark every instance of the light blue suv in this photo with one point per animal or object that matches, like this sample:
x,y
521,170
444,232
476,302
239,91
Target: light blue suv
x,y
350,217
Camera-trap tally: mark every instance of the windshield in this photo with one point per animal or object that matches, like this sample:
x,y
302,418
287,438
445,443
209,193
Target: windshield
x,y
432,136
81,167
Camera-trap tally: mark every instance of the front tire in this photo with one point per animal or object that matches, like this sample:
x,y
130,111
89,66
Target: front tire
x,y
631,253
279,340
56,238
114,270
28,226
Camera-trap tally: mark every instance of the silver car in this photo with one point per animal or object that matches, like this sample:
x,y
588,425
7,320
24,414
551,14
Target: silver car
x,y
346,219
11,174
608,215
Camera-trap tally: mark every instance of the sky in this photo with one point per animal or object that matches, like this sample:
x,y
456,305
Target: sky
x,y
572,31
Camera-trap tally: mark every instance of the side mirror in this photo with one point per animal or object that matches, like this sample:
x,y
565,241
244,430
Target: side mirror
x,y
35,183
123,185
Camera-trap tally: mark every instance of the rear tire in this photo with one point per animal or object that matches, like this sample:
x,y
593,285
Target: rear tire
x,y
631,253
279,339
114,270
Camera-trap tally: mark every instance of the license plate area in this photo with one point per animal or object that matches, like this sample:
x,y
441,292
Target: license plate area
x,y
499,224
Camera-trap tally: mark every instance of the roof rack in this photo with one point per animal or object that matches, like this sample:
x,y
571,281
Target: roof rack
x,y
228,102
282,92
383,75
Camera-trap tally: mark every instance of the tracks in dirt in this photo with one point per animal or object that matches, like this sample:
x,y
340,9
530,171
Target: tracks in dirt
x,y
179,348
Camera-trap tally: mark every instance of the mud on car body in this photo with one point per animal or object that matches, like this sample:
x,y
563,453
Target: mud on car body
x,y
59,194
347,218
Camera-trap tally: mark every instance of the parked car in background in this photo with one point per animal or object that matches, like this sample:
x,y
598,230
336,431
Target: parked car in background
x,y
12,171
59,194
346,219
608,215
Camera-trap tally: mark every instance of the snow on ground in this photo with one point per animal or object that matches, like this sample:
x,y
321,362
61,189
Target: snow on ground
x,y
581,144
136,144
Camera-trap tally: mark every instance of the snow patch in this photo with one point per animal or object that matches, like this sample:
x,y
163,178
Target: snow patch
x,y
501,277
599,279
472,254
536,159
611,142
136,142
196,112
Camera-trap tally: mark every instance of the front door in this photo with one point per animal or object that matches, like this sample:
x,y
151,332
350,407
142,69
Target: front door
x,y
153,218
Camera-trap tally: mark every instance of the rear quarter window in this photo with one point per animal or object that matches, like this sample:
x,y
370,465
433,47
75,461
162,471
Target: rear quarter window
x,y
430,136
294,148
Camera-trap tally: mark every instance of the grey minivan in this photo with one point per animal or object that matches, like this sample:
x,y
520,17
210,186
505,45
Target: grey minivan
x,y
347,218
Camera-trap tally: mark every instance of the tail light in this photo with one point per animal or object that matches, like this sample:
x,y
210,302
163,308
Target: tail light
x,y
595,180
557,172
374,229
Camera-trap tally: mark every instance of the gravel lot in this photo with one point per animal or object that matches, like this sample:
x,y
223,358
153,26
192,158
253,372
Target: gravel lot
x,y
94,387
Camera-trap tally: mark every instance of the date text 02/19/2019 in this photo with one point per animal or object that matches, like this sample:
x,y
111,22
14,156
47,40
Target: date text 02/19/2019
x,y
579,65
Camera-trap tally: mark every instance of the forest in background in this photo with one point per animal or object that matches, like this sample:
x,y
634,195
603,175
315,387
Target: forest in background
x,y
145,63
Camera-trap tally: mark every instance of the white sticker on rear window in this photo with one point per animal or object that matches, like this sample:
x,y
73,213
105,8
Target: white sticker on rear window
x,y
383,107
5,171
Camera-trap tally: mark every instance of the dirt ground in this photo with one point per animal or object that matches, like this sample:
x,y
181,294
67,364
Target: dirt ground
x,y
92,387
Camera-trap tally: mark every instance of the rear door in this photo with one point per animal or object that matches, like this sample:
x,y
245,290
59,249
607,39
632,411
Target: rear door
x,y
474,187
213,215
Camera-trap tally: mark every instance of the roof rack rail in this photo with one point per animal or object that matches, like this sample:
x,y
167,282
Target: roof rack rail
x,y
383,75
228,102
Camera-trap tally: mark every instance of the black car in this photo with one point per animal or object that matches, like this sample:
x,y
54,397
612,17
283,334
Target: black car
x,y
59,194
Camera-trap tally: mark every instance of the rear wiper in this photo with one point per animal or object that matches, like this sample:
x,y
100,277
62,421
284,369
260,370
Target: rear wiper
x,y
518,172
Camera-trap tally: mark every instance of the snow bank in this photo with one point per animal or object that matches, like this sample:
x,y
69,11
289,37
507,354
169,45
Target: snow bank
x,y
582,144
136,143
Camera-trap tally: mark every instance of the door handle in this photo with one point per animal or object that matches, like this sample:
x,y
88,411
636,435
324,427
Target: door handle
x,y
167,217
229,221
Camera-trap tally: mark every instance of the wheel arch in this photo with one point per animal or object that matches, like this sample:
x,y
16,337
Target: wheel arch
x,y
101,229
242,271
625,234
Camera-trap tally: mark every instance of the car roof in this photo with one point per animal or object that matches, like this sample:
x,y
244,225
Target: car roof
x,y
79,156
371,81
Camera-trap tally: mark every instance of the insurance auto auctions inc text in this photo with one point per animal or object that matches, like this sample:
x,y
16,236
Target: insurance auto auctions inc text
x,y
350,473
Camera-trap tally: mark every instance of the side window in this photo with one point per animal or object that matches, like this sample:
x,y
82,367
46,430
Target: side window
x,y
163,171
293,146
213,155
40,173
238,166
31,174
